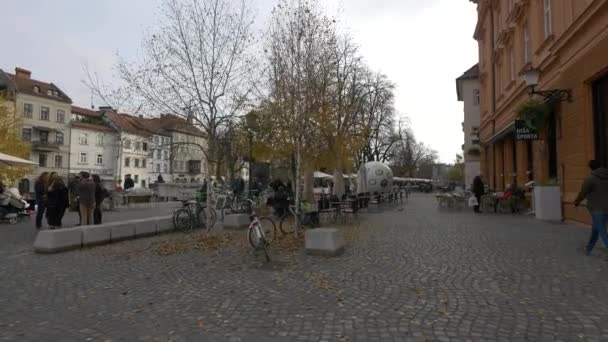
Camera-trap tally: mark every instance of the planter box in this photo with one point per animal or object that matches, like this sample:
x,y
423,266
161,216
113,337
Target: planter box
x,y
548,203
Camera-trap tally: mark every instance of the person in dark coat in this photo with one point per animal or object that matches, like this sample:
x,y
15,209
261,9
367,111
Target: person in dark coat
x,y
100,194
478,190
57,201
86,189
40,190
595,191
160,179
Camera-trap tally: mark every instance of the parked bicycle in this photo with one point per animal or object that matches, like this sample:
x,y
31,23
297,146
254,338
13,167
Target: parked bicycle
x,y
235,205
191,215
307,220
261,233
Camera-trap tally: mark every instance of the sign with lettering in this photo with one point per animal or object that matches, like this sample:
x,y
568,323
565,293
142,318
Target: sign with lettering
x,y
523,132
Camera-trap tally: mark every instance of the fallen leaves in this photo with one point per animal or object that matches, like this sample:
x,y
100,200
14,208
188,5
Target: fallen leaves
x,y
200,241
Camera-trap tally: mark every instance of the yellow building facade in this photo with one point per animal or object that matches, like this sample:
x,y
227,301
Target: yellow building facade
x,y
567,42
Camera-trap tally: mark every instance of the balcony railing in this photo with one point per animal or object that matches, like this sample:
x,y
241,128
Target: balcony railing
x,y
45,145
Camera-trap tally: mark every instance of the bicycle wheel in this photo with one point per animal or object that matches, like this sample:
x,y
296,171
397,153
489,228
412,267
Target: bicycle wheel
x,y
268,227
246,206
203,214
288,223
183,220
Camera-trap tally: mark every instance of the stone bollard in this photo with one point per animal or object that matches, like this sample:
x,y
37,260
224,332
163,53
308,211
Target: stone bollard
x,y
324,242
236,221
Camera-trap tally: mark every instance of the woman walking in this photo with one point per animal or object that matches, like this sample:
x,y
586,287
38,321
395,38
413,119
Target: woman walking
x,y
40,189
57,201
100,194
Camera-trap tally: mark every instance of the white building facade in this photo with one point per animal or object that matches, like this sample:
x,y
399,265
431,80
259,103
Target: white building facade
x,y
45,113
467,87
94,150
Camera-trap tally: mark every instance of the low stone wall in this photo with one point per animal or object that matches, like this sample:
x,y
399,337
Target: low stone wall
x,y
58,240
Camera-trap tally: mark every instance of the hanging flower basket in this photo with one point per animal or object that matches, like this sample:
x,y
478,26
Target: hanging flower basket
x,y
534,113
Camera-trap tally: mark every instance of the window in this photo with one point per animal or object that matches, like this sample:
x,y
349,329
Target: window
x,y
182,165
56,93
58,161
143,163
158,168
136,162
42,160
526,45
547,16
99,159
512,64
143,183
158,154
44,137
49,92
476,97
36,89
127,162
99,139
136,178
26,134
137,146
83,139
83,158
165,168
175,164
156,140
128,144
60,116
144,146
165,155
59,138
44,113
28,110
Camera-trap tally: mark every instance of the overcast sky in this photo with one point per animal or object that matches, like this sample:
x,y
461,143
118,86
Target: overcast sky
x,y
422,45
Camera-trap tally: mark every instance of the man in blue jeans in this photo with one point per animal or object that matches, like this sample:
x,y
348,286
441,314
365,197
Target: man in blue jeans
x,y
595,190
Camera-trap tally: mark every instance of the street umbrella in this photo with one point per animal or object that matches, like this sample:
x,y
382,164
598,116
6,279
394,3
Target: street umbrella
x,y
362,180
319,174
8,160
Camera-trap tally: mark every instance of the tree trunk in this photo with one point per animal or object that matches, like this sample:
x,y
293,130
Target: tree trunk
x,y
338,183
297,185
309,184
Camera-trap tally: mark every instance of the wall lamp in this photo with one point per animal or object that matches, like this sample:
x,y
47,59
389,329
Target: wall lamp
x,y
531,77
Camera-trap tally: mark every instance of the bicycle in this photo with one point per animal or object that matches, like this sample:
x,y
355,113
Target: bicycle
x,y
261,233
191,215
288,222
236,205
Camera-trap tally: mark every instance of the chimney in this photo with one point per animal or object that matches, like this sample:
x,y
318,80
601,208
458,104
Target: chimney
x,y
106,109
140,116
23,73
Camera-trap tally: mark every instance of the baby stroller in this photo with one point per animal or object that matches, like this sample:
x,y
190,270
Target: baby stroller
x,y
12,207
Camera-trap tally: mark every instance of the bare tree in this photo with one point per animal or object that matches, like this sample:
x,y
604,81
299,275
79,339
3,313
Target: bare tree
x,y
298,38
197,64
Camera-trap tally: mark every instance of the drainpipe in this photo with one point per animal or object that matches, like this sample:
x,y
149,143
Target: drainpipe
x,y
492,45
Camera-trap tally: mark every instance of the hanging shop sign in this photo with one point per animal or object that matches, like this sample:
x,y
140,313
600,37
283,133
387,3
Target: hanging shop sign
x,y
523,132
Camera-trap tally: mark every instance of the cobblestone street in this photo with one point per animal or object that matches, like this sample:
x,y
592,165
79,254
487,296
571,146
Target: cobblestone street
x,y
416,274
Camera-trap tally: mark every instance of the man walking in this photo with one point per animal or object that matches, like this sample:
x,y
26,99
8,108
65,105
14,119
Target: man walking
x,y
595,190
86,190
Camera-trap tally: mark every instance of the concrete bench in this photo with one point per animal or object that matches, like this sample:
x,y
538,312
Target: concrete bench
x,y
324,242
236,221
57,240
51,241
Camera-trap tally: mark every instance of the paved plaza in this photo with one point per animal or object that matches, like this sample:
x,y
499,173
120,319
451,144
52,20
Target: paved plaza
x,y
409,273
